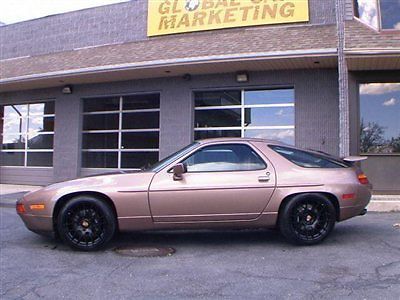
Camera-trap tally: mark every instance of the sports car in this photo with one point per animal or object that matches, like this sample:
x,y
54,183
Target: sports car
x,y
209,184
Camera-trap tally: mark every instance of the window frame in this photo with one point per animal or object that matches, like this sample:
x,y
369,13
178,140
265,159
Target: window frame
x,y
181,160
25,134
242,106
120,131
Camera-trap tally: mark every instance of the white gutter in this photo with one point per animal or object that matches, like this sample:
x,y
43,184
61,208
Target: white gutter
x,y
372,51
176,62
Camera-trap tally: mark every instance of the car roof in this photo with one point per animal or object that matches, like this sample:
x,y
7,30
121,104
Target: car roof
x,y
240,139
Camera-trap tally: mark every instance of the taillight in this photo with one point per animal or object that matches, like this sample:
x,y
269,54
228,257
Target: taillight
x,y
20,208
363,179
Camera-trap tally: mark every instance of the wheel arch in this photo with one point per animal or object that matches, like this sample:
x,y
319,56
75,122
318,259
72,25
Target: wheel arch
x,y
65,198
331,197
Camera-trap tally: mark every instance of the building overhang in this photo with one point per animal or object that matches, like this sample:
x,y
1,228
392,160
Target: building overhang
x,y
373,59
258,61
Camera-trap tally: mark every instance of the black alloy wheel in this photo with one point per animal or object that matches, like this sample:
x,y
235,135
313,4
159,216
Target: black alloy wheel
x,y
86,223
307,219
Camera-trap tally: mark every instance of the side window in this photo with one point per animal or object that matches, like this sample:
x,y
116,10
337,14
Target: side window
x,y
228,157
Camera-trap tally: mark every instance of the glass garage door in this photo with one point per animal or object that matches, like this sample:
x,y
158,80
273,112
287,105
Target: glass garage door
x,y
265,114
121,132
27,134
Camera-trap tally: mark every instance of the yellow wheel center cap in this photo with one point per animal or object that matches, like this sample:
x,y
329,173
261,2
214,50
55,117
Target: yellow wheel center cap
x,y
85,223
308,218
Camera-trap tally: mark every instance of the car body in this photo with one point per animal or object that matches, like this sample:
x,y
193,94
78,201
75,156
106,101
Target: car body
x,y
214,183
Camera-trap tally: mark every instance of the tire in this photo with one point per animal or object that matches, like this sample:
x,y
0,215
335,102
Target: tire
x,y
86,223
307,219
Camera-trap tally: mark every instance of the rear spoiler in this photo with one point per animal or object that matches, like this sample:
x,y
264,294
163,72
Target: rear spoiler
x,y
353,159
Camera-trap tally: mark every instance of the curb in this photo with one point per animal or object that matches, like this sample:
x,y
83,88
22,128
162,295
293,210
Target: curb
x,y
384,206
7,205
384,203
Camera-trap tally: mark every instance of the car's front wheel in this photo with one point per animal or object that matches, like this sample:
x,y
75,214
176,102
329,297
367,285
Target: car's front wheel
x,y
307,219
86,223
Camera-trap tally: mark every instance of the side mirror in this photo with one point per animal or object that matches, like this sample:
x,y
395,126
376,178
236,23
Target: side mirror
x,y
178,170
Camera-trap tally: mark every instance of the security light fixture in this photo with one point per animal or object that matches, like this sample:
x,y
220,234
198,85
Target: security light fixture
x,y
242,76
187,77
67,89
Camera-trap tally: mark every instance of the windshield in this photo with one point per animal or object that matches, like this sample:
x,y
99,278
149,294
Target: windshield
x,y
169,159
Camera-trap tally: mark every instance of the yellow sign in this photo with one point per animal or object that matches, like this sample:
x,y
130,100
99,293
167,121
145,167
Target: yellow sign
x,y
177,16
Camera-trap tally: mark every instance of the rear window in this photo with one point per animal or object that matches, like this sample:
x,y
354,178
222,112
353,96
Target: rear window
x,y
308,159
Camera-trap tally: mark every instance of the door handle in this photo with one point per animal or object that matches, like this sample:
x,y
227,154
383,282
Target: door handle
x,y
264,178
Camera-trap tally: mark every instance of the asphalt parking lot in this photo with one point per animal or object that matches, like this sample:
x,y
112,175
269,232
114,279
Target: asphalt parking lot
x,y
360,260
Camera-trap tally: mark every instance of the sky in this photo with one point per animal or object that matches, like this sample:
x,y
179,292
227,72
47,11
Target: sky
x,y
13,11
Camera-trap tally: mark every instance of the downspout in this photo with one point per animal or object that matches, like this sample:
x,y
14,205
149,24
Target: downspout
x,y
344,109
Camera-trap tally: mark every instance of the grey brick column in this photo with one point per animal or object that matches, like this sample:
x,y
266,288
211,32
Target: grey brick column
x,y
176,116
66,158
344,108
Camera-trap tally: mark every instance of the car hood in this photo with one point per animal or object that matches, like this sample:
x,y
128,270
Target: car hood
x,y
107,183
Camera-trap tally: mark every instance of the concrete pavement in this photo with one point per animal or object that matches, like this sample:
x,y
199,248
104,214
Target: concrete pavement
x,y
360,260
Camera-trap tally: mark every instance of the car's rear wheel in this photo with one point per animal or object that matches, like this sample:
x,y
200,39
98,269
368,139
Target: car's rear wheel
x,y
307,219
86,223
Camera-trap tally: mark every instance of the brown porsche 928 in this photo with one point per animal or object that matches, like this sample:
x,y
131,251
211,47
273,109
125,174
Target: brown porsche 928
x,y
216,183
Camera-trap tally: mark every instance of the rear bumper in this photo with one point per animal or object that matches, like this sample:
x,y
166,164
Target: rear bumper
x,y
354,207
352,211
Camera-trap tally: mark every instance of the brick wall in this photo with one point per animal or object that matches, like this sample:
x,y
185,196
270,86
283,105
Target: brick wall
x,y
108,24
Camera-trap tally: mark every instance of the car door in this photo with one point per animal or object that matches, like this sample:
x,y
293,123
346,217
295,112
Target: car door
x,y
223,182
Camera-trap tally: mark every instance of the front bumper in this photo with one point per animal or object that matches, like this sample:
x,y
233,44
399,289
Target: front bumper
x,y
42,225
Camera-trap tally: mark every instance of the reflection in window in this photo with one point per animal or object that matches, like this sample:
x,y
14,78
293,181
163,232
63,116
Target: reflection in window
x,y
41,124
390,14
210,134
217,98
99,159
367,11
284,135
121,132
267,114
380,122
280,96
370,10
218,118
27,135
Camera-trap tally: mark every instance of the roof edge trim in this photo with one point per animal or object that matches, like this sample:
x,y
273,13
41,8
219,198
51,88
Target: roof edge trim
x,y
173,62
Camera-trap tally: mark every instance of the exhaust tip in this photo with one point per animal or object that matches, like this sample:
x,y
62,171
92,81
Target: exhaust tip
x,y
363,212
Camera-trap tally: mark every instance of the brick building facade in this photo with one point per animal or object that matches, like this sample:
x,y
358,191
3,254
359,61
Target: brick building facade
x,y
105,53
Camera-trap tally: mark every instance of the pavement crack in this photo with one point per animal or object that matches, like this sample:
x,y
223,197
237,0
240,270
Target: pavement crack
x,y
390,245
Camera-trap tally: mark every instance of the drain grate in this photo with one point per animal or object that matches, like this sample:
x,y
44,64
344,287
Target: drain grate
x,y
145,251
